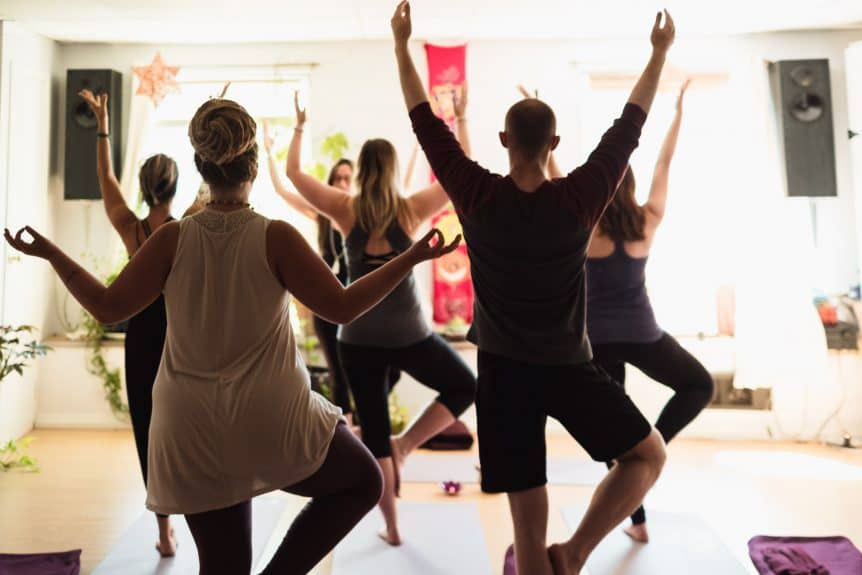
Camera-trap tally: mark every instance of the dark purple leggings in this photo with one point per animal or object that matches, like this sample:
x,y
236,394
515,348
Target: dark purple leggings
x,y
667,362
346,487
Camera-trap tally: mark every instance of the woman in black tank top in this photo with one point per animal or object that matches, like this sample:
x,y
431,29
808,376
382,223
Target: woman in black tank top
x,y
377,225
620,321
145,336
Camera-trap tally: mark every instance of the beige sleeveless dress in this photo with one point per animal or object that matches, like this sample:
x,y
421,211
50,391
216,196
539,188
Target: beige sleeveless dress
x,y
234,415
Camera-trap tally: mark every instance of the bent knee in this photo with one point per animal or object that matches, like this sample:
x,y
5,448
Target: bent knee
x,y
650,450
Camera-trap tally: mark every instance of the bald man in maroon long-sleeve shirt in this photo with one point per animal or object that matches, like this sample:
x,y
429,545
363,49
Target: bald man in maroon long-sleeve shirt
x,y
527,236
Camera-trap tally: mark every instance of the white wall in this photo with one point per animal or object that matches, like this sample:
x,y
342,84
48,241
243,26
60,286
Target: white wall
x,y
355,90
27,90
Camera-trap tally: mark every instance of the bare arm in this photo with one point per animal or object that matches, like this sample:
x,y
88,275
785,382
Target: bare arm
x,y
295,201
309,279
122,218
461,131
137,286
328,200
657,201
411,85
661,38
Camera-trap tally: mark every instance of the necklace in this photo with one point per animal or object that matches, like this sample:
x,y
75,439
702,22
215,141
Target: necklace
x,y
228,202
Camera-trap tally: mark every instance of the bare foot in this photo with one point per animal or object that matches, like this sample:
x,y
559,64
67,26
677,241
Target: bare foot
x,y
391,537
562,564
167,544
638,533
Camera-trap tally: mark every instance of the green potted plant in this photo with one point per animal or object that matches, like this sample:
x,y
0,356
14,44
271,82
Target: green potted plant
x,y
17,348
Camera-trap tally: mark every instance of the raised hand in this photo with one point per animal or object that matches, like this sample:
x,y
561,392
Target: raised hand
x,y
98,104
300,112
460,104
662,36
268,140
526,93
681,95
402,26
40,247
428,249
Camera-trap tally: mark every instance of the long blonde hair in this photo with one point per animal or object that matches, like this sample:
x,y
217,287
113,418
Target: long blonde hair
x,y
379,201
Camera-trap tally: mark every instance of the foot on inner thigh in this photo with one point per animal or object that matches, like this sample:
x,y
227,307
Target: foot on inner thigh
x,y
563,564
638,532
398,457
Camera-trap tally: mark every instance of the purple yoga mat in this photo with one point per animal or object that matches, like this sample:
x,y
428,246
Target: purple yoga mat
x,y
63,563
838,554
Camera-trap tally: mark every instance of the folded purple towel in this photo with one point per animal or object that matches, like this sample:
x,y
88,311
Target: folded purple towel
x,y
63,563
833,555
792,560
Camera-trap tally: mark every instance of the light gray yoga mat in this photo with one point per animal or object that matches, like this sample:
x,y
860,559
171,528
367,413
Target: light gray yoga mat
x,y
444,538
135,553
424,468
679,543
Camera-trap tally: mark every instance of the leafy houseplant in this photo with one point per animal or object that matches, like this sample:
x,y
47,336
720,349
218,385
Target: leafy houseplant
x,y
12,456
15,352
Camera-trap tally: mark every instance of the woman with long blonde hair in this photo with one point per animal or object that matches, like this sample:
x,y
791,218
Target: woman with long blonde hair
x,y
378,224
233,412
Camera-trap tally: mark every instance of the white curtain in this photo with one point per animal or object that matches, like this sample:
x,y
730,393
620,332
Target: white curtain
x,y
140,120
780,340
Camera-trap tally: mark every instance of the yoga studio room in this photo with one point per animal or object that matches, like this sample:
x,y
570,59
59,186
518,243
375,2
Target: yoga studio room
x,y
402,287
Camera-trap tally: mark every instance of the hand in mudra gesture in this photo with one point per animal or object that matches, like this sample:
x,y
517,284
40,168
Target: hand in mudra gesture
x,y
402,27
428,249
39,247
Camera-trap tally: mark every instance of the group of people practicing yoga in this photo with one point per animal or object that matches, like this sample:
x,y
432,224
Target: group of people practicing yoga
x,y
220,398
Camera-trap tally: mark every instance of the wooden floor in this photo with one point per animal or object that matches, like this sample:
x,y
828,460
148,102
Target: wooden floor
x,y
89,491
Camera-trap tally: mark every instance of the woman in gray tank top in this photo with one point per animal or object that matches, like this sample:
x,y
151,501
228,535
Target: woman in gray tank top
x,y
620,320
378,224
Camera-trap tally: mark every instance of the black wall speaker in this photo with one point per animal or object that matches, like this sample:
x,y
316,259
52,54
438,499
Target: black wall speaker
x,y
80,165
803,98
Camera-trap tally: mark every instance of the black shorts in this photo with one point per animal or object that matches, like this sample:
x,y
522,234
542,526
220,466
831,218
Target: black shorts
x,y
513,403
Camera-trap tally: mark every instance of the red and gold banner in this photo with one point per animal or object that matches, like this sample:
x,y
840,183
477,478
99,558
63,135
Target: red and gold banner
x,y
453,285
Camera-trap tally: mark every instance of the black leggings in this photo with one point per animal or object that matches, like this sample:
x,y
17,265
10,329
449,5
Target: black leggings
x,y
345,488
327,335
670,364
431,362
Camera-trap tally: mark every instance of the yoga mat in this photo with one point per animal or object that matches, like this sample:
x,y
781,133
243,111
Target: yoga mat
x,y
422,468
442,538
838,554
135,552
62,563
679,543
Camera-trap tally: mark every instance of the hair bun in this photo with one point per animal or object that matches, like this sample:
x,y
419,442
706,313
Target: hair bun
x,y
221,131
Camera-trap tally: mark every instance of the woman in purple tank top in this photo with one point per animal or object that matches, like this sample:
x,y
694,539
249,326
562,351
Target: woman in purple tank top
x,y
620,321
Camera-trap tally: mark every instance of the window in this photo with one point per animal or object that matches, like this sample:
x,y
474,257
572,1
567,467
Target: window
x,y
267,93
693,253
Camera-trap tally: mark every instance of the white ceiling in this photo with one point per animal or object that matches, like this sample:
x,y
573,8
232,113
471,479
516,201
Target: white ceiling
x,y
200,21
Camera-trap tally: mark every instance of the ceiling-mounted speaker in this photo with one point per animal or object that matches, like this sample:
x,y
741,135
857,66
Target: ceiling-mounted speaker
x,y
79,179
803,101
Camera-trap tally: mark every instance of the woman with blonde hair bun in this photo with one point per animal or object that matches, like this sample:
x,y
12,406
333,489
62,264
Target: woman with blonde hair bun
x,y
233,412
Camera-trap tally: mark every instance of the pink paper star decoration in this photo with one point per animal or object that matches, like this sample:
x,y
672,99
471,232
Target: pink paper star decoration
x,y
156,80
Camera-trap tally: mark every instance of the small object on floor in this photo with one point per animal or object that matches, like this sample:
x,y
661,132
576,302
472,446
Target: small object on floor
x,y
509,567
439,467
61,563
451,487
837,555
437,539
679,543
